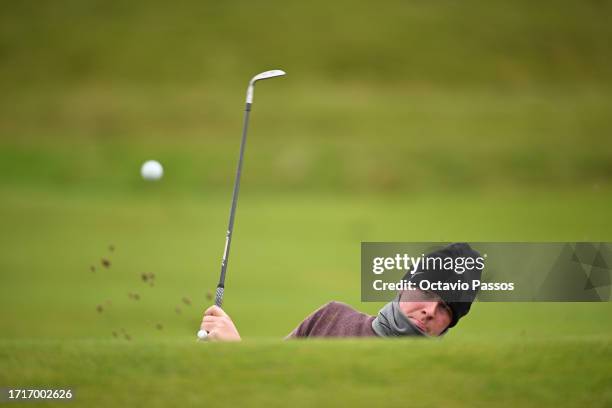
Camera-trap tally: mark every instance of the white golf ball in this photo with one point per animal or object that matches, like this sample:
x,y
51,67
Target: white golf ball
x,y
202,334
152,170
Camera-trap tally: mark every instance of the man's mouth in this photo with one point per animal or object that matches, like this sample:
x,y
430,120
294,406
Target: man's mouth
x,y
418,324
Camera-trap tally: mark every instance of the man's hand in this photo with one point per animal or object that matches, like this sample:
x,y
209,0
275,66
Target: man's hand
x,y
219,325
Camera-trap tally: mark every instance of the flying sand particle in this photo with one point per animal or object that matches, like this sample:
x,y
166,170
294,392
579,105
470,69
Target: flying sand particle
x,y
105,263
148,277
99,308
186,301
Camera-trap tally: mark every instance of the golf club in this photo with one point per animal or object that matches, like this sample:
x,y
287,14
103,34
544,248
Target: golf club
x,y
202,334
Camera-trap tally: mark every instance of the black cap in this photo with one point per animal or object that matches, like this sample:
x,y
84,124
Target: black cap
x,y
458,299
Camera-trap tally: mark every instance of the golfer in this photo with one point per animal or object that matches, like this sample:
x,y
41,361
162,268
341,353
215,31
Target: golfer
x,y
411,313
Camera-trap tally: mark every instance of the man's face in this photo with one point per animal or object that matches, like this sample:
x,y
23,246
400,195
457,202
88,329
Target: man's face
x,y
426,311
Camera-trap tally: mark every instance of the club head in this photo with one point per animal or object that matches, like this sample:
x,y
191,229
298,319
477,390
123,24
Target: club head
x,y
268,74
264,75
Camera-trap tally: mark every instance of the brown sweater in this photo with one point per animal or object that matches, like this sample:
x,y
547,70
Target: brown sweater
x,y
335,319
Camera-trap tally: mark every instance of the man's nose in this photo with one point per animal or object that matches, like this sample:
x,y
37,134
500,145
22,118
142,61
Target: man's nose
x,y
429,310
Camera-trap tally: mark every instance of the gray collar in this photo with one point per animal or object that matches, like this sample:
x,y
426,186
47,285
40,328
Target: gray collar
x,y
391,322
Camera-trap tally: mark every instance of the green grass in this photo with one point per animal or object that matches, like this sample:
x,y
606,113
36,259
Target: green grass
x,y
533,354
415,121
313,137
561,370
527,354
298,251
443,42
377,99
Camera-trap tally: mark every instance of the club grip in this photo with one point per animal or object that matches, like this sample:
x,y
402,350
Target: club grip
x,y
219,296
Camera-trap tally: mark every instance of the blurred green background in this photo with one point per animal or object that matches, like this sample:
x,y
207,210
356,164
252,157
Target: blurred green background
x,y
397,121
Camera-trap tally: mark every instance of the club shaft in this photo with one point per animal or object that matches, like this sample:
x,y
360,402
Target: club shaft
x,y
230,227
